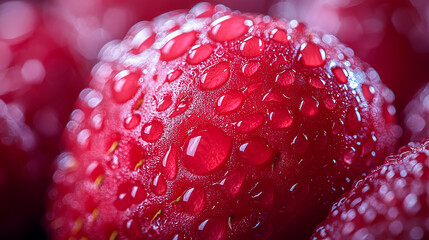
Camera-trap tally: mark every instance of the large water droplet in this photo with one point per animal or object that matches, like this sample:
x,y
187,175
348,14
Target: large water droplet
x,y
83,139
206,149
152,131
132,227
232,182
202,10
252,47
368,92
169,163
341,74
353,121
132,121
250,123
349,155
173,75
262,193
211,229
124,86
274,96
199,53
281,119
215,76
250,68
300,143
164,103
229,102
177,45
279,35
129,194
309,106
316,82
97,122
181,106
158,186
192,200
285,78
255,152
330,103
312,55
337,126
142,40
228,28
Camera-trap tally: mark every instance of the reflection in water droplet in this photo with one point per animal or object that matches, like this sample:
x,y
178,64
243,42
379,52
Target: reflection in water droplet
x,y
312,55
250,123
215,76
199,53
152,131
228,28
252,47
279,35
211,229
341,74
281,119
309,106
300,143
229,102
124,86
177,45
250,68
285,78
192,200
158,186
169,163
255,152
132,121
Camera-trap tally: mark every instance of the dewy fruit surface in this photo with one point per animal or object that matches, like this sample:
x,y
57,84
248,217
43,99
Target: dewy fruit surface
x,y
213,124
390,203
416,116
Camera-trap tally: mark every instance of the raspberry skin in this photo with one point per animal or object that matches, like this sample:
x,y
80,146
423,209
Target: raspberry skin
x,y
217,124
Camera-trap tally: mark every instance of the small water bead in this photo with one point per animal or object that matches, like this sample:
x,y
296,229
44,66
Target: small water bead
x,y
250,68
274,96
215,76
250,123
228,28
285,78
199,53
368,92
309,106
232,182
281,119
158,186
316,82
124,86
252,47
349,155
177,45
169,163
330,103
255,152
279,35
164,103
353,121
181,107
206,149
337,126
152,131
312,55
229,102
132,121
192,200
142,40
341,75
128,194
300,143
202,10
173,75
211,229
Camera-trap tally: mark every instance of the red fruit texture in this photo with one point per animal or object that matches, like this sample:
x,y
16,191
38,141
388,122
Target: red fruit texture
x,y
392,202
390,35
416,116
40,80
214,124
96,22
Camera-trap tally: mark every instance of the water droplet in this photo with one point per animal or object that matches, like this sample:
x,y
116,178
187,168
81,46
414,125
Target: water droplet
x,y
177,45
229,102
330,103
199,53
173,75
299,190
273,96
312,55
132,227
349,155
250,123
215,76
192,200
262,193
250,68
132,121
124,86
309,106
279,35
255,152
316,82
281,119
159,186
129,194
232,182
142,40
206,149
252,88
202,10
164,103
211,229
341,74
181,107
228,28
353,121
84,138
369,144
300,143
368,92
94,171
389,112
285,78
152,131
252,47
337,126
97,122
169,163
